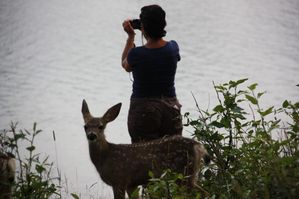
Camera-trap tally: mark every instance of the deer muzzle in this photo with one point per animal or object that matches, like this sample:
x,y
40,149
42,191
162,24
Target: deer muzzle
x,y
91,136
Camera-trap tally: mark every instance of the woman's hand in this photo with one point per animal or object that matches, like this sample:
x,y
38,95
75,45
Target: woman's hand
x,y
128,28
129,45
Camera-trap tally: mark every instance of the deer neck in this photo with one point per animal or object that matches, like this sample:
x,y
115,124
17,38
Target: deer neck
x,y
98,148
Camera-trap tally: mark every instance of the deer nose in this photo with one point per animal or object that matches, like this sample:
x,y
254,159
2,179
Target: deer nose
x,y
91,136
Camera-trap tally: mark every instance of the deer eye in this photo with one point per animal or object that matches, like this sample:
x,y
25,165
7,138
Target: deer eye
x,y
101,127
85,127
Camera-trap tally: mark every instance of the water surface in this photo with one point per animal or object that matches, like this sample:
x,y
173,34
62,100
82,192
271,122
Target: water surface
x,y
56,53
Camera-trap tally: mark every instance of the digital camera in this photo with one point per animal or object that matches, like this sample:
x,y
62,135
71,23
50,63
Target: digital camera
x,y
136,24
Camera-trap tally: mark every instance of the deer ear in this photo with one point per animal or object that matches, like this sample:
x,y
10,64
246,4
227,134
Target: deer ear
x,y
85,112
112,113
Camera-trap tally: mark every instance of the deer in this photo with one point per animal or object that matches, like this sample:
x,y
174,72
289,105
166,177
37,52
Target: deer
x,y
126,166
7,174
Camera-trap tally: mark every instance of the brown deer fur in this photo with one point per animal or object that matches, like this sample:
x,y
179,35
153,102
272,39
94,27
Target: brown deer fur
x,y
125,166
7,175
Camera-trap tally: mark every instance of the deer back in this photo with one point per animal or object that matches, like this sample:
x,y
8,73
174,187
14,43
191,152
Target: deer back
x,y
126,164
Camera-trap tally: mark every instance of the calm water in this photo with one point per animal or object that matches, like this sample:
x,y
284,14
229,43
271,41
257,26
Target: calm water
x,y
55,53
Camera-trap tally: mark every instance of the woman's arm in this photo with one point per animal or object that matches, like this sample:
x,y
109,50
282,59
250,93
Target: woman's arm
x,y
129,45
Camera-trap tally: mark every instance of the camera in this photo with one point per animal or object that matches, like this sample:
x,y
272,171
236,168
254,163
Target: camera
x,y
136,24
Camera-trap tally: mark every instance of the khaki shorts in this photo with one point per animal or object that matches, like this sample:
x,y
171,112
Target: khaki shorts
x,y
153,118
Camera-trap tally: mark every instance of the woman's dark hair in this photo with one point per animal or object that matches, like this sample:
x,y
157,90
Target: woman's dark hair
x,y
153,21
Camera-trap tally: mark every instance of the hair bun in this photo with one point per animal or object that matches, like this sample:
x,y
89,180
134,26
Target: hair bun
x,y
153,21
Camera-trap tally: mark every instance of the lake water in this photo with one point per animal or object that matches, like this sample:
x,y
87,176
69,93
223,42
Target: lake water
x,y
54,54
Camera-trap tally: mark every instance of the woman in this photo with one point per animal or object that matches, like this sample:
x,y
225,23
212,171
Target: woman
x,y
154,109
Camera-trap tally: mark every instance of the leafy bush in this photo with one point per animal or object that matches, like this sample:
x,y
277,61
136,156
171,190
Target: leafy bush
x,y
254,149
169,185
34,177
255,154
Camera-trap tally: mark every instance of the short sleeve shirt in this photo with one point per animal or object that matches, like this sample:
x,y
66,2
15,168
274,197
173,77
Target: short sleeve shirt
x,y
154,70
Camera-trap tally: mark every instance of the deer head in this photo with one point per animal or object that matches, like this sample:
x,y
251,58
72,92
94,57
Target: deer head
x,y
95,126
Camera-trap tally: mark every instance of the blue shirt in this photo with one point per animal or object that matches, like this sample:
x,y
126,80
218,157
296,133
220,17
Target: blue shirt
x,y
154,70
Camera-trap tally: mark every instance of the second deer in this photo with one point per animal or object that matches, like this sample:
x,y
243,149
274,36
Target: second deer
x,y
7,174
126,166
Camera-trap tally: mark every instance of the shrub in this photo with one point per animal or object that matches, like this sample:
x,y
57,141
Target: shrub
x,y
254,149
34,178
255,154
169,185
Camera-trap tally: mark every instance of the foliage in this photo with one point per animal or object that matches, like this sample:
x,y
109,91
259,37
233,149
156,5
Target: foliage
x,y
168,185
255,155
254,150
35,177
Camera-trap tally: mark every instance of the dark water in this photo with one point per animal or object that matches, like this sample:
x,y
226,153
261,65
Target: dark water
x,y
55,53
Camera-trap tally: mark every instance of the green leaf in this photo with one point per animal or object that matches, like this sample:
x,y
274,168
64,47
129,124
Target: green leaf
x,y
186,114
194,123
226,122
252,99
216,137
180,176
34,126
234,84
240,116
266,112
260,94
217,124
242,80
252,86
38,131
218,108
54,137
31,148
220,89
237,109
151,174
75,196
39,168
19,136
135,193
28,133
285,104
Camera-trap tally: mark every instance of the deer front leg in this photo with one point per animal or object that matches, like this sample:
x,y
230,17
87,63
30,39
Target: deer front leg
x,y
119,192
